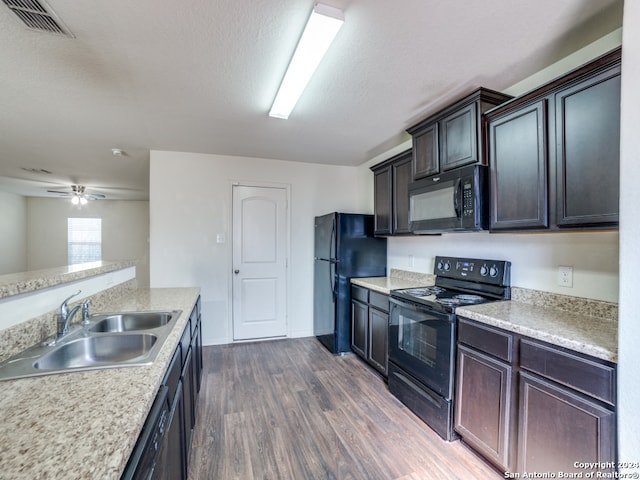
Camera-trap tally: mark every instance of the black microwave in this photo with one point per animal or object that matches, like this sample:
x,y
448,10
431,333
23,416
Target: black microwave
x,y
454,201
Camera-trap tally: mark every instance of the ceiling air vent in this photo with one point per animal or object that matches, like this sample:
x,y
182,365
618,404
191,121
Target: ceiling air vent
x,y
37,15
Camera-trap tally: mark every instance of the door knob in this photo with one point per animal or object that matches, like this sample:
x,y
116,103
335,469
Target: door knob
x,y
236,271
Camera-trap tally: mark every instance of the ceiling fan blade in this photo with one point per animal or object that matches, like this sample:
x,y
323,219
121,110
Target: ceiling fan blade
x,y
95,196
67,194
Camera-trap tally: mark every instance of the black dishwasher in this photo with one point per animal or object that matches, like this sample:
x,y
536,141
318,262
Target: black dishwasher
x,y
146,456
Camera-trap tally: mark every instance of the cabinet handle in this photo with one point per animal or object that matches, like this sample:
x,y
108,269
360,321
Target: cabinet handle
x,y
236,271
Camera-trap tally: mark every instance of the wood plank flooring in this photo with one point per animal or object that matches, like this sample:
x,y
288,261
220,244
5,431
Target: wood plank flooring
x,y
290,410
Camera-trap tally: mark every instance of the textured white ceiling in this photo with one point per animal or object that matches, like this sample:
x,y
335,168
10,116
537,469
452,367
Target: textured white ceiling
x,y
200,76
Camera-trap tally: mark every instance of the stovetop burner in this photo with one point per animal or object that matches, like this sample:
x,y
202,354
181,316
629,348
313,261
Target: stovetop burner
x,y
436,296
460,282
425,291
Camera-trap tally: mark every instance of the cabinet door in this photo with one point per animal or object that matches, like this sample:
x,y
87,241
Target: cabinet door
x,y
173,460
382,201
401,179
198,354
483,408
518,165
359,328
587,151
188,389
426,152
378,339
458,138
559,428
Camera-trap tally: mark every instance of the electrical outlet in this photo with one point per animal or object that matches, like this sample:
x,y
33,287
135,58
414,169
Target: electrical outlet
x,y
565,276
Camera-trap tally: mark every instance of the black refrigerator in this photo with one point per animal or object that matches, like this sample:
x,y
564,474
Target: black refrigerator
x,y
345,248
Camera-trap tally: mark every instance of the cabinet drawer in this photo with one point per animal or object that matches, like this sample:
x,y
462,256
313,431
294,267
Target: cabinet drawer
x,y
486,339
360,294
379,301
583,374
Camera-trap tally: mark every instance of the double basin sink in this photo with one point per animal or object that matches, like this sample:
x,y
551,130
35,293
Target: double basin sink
x,y
109,340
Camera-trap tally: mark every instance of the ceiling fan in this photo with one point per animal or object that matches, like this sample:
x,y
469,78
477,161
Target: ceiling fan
x,y
78,195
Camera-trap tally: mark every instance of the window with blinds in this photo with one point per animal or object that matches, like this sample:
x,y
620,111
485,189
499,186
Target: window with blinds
x,y
84,240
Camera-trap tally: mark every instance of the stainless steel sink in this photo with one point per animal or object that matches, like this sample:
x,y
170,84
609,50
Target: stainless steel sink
x,y
97,351
110,340
130,321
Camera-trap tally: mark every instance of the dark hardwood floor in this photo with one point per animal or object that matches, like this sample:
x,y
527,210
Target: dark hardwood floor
x,y
288,409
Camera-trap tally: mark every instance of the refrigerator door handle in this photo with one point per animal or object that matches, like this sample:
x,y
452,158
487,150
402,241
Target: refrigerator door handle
x,y
332,254
332,281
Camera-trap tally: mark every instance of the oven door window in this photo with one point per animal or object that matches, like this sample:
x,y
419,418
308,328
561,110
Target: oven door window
x,y
418,340
422,343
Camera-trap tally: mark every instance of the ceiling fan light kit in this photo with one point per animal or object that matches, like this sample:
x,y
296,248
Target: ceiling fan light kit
x,y
322,27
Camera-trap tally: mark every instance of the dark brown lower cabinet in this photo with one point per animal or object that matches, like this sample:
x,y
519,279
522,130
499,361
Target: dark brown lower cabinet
x,y
359,328
484,404
379,339
182,380
175,460
528,406
370,326
560,427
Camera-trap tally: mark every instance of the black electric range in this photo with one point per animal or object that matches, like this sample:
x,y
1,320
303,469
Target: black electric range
x,y
422,334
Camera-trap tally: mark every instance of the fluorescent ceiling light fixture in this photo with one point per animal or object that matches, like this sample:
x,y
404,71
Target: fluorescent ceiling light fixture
x,y
322,27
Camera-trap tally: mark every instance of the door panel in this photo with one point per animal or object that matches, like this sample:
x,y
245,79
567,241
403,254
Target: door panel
x,y
259,262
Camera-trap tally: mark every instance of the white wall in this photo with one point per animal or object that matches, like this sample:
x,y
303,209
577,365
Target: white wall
x,y
190,204
629,316
13,233
535,258
125,232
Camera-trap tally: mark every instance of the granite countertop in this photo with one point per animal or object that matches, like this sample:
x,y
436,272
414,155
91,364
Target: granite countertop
x,y
397,279
25,282
84,425
582,325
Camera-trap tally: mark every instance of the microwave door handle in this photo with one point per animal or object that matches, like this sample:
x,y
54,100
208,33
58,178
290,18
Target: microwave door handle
x,y
456,197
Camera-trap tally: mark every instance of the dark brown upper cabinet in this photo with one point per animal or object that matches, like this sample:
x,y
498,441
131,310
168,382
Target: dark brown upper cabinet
x,y
588,151
519,168
453,137
554,152
391,195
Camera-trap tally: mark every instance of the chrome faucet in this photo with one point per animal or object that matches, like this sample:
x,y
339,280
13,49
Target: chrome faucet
x,y
65,315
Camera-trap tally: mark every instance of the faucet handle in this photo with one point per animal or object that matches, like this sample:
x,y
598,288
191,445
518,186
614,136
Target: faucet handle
x,y
85,311
64,309
71,296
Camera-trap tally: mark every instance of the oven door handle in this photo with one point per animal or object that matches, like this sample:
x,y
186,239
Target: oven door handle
x,y
409,306
426,313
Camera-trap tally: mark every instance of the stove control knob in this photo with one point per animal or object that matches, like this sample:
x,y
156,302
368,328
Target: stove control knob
x,y
484,270
440,265
493,271
447,267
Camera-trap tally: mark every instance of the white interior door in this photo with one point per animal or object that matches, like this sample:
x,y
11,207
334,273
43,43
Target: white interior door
x,y
259,262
